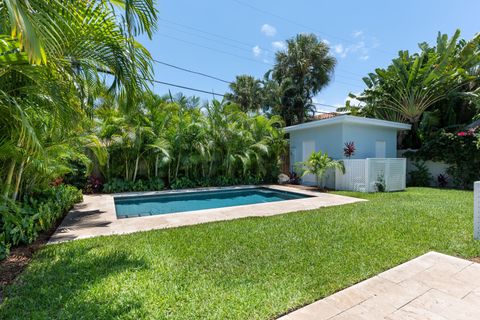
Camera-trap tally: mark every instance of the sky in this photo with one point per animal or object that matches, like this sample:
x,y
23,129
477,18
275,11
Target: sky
x,y
225,38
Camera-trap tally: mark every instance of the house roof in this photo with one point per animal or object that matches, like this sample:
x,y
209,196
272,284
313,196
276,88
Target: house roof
x,y
349,119
326,115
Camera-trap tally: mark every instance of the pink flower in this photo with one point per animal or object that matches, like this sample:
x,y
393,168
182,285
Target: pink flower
x,y
462,134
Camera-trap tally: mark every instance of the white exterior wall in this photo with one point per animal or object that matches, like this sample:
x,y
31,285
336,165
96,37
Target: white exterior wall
x,y
328,139
435,169
365,137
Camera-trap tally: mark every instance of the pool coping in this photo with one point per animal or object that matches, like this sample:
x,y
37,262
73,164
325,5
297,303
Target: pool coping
x,y
96,215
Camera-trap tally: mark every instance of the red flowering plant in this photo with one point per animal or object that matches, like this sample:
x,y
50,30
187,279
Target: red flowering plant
x,y
349,149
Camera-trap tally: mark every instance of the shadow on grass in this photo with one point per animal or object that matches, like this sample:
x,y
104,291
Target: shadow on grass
x,y
66,283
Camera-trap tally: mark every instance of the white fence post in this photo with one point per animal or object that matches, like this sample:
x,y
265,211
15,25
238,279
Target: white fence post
x,y
476,210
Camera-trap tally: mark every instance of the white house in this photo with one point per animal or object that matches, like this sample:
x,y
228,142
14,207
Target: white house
x,y
373,139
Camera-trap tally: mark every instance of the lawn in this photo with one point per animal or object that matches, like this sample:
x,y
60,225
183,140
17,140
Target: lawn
x,y
254,268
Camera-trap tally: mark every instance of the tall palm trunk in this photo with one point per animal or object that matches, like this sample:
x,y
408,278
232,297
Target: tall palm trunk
x,y
156,166
136,168
19,179
8,182
178,165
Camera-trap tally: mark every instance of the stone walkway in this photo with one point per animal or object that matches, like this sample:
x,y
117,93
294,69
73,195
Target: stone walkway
x,y
96,216
431,287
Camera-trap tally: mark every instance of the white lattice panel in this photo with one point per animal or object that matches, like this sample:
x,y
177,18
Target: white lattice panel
x,y
376,172
476,210
354,177
364,174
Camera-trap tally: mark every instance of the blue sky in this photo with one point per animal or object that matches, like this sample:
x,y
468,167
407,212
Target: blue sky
x,y
225,38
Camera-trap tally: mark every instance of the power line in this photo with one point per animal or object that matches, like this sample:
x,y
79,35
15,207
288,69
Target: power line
x,y
191,71
207,32
185,87
212,49
214,40
298,24
249,45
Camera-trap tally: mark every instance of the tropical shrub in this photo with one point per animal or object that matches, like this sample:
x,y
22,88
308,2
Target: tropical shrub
x,y
442,180
349,149
317,164
380,185
420,177
459,150
20,222
119,185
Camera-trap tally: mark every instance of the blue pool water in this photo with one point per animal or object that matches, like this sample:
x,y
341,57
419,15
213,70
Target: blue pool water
x,y
138,206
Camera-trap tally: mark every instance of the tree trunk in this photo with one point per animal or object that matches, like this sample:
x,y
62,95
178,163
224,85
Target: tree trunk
x,y
136,169
126,169
8,182
19,179
156,166
178,165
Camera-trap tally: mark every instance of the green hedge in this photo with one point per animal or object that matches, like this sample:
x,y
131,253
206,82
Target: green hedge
x,y
20,222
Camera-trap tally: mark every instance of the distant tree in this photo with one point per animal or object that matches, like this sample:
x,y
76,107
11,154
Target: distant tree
x,y
300,72
246,92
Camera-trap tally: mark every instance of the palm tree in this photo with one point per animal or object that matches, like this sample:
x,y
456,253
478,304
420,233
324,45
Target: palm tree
x,y
247,93
302,70
318,164
51,58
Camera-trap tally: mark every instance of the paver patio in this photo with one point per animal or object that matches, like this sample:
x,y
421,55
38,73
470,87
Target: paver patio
x,y
96,216
432,286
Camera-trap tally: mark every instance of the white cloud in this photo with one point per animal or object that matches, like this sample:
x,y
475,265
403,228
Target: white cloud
x,y
357,33
326,42
268,30
279,45
257,51
360,47
340,50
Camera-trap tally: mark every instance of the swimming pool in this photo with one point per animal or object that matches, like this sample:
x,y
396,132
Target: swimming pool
x,y
139,206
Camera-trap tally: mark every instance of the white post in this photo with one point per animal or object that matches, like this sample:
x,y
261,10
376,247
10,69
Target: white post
x,y
476,210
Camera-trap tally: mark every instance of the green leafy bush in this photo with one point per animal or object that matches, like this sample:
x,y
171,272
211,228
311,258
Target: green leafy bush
x,y
459,150
420,177
20,222
222,181
118,185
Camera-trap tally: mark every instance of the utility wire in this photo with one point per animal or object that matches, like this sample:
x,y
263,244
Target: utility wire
x,y
212,49
217,41
222,95
185,87
298,24
207,32
191,71
240,42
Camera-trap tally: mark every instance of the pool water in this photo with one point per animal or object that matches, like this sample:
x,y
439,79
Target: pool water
x,y
138,206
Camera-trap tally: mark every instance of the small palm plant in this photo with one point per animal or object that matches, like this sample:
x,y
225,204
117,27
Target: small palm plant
x,y
318,163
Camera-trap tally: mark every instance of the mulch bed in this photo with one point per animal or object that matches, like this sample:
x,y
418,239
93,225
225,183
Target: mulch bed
x,y
19,258
476,259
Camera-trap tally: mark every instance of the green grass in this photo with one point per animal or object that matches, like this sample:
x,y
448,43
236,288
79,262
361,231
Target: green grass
x,y
254,268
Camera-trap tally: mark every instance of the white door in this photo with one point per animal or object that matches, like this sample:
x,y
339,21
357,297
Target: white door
x,y
307,148
380,149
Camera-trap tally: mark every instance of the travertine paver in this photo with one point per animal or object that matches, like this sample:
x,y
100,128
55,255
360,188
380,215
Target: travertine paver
x,y
431,287
96,216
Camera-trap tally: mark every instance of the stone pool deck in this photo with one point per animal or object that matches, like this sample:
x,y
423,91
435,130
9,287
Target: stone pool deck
x,y
96,216
431,287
